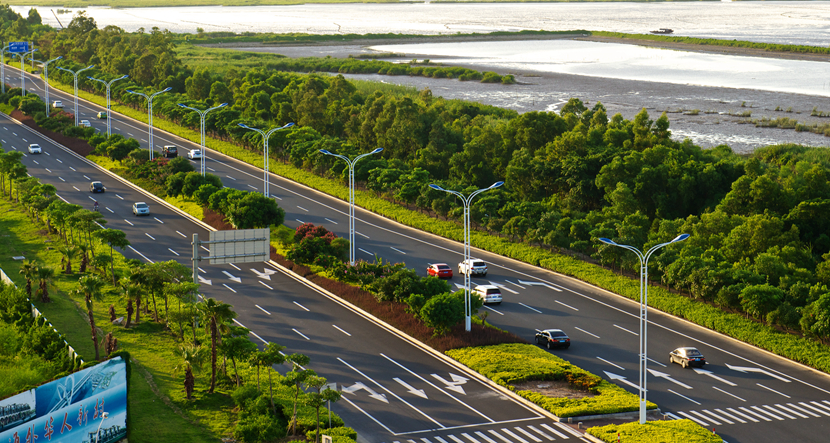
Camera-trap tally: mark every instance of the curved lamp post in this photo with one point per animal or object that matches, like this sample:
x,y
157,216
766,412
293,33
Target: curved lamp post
x,y
468,308
108,84
643,257
202,115
104,416
22,56
351,164
150,114
75,76
3,67
266,191
46,73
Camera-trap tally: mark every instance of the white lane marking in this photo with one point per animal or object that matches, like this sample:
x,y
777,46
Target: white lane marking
x,y
65,200
536,430
722,412
681,395
814,408
568,429
480,434
748,411
272,195
61,178
772,390
780,406
240,324
232,290
48,170
497,312
331,221
716,417
230,177
177,254
260,338
122,198
501,286
263,284
674,417
301,222
768,413
76,188
580,329
234,266
211,169
108,209
493,431
365,251
554,431
263,310
201,270
158,220
304,209
626,330
27,141
338,328
693,418
59,160
129,222
36,162
206,249
528,434
91,197
567,306
776,410
142,255
300,333
532,309
87,177
727,393
360,234
307,310
177,232
130,135
656,362
612,364
148,235
515,284
252,187
73,169
396,249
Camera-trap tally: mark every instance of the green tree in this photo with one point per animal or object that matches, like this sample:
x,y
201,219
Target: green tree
x,y
319,397
29,271
759,300
44,274
237,347
113,237
295,378
816,318
89,287
190,356
442,312
213,313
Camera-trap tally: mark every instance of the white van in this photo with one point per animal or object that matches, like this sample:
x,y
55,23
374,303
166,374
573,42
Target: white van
x,y
488,293
57,104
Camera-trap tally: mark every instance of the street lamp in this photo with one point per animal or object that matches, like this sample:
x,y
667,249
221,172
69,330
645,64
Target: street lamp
x,y
643,257
150,113
468,308
104,416
266,191
202,115
108,84
22,56
75,76
351,164
3,67
46,73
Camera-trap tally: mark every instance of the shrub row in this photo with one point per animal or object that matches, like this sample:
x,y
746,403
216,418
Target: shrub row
x,y
679,431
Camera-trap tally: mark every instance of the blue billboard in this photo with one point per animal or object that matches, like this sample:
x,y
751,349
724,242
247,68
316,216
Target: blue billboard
x,y
18,46
70,409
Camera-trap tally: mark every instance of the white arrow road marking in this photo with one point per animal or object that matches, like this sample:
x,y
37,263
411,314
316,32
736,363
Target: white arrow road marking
x,y
759,370
205,281
621,379
261,274
410,389
683,396
268,271
499,285
455,384
232,277
515,284
710,374
358,386
536,283
612,364
668,377
727,393
772,390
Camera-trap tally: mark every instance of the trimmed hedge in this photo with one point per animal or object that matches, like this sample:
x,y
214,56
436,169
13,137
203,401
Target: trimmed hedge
x,y
512,363
673,431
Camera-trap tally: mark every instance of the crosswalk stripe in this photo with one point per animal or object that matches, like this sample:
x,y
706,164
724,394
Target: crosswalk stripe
x,y
441,440
702,423
722,412
791,411
826,402
814,408
486,438
729,422
765,412
803,410
469,437
712,419
455,439
674,417
753,420
776,410
554,431
510,433
528,434
762,417
567,429
425,440
412,441
493,431
821,406
536,430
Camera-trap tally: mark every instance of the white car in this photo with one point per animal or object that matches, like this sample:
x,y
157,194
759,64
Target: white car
x,y
475,266
57,104
85,124
141,208
34,148
194,154
488,293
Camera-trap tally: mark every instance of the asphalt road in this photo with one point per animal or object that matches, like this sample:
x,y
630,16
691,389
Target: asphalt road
x,y
746,394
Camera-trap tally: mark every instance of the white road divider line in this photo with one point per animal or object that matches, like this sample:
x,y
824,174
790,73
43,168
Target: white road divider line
x,y
73,169
129,222
365,251
331,221
210,169
580,329
304,209
65,200
142,255
300,221
87,177
177,232
307,310
122,198
59,160
234,266
341,330
148,235
263,284
532,309
501,286
398,250
361,234
108,209
61,178
515,284
612,364
206,249
727,393
497,312
48,170
76,188
567,306
300,334
36,162
683,396
232,290
260,338
656,362
252,187
626,330
240,324
177,254
230,177
772,390
158,220
263,310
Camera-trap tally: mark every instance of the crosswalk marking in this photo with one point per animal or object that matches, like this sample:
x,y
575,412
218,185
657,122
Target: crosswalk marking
x,y
712,419
729,422
802,410
768,413
567,429
440,440
722,412
425,440
782,413
467,436
507,431
528,434
762,417
791,411
820,405
702,423
536,430
752,419
674,417
486,438
498,435
455,439
814,408
554,431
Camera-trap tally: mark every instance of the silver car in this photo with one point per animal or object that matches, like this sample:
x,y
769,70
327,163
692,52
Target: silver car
x,y
141,208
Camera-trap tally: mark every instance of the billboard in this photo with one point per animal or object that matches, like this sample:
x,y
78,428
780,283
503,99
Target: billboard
x,y
239,246
70,409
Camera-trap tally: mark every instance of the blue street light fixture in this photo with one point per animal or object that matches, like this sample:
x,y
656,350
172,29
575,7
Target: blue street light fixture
x,y
266,191
75,76
150,114
46,73
108,84
202,115
643,257
351,164
468,308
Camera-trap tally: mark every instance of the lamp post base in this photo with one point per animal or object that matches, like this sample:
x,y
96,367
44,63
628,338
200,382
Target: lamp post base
x,y
642,412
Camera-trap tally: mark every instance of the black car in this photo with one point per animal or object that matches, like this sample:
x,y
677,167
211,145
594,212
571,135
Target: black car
x,y
96,187
686,357
169,151
553,338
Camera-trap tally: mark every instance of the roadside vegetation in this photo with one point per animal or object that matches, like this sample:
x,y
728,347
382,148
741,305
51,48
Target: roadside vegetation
x,y
655,432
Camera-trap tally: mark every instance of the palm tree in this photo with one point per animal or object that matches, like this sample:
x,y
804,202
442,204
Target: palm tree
x,y
190,356
84,250
131,292
295,378
27,270
44,275
214,313
70,253
271,355
90,288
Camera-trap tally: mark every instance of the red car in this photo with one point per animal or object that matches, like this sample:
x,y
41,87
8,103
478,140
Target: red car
x,y
440,270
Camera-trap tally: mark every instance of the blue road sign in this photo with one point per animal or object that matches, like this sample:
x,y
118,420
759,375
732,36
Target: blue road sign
x,y
18,46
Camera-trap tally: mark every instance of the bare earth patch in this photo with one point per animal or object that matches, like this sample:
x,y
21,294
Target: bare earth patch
x,y
554,389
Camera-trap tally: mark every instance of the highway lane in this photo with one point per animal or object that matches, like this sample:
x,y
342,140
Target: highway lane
x,y
599,314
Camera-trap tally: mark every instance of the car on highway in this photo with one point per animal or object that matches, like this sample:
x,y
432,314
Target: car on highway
x,y
57,104
169,151
194,154
686,357
85,124
101,115
141,208
96,187
489,294
440,270
474,266
34,148
553,338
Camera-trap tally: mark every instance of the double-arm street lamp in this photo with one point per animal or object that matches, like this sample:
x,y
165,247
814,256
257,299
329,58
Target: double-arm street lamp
x,y
643,257
351,164
202,115
108,84
75,76
150,113
22,56
468,308
266,191
46,73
